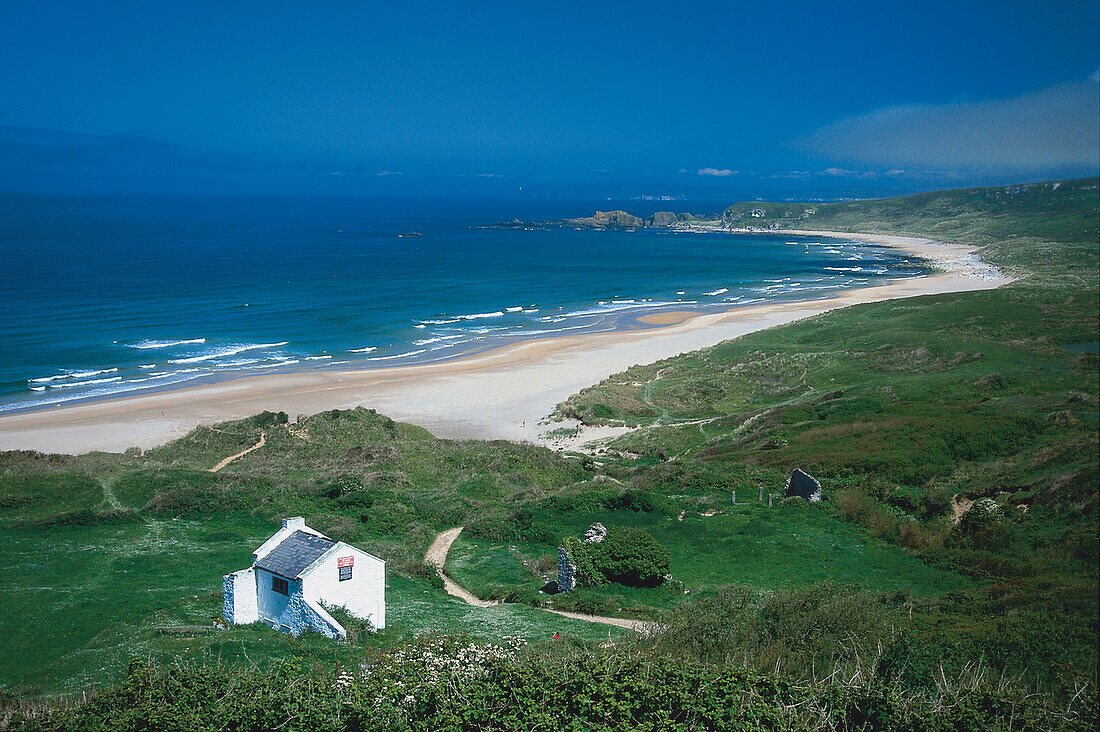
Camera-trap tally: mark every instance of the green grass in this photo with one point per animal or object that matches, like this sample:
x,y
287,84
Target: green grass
x,y
966,390
84,598
747,544
898,406
419,609
87,599
102,549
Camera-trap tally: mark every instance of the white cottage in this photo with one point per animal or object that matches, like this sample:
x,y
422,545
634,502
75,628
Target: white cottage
x,y
295,571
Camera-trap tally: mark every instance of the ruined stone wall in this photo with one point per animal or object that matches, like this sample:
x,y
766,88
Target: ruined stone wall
x,y
567,571
302,615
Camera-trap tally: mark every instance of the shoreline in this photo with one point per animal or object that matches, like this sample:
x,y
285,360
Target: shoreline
x,y
500,393
180,361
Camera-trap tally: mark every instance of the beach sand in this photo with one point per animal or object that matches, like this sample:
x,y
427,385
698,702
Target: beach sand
x,y
497,394
672,317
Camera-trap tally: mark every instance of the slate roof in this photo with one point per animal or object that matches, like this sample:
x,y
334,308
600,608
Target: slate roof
x,y
294,554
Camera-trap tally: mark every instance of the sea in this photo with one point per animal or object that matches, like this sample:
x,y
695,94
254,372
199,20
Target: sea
x,y
103,295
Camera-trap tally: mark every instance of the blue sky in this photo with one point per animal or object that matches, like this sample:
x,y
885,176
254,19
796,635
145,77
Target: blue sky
x,y
628,98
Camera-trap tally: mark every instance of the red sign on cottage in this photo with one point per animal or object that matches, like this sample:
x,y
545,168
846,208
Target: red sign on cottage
x,y
345,561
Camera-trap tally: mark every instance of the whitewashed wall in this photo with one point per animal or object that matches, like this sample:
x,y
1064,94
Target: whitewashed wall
x,y
239,591
364,595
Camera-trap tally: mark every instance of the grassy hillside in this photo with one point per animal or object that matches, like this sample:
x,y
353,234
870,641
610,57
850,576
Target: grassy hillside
x,y
103,550
904,409
854,612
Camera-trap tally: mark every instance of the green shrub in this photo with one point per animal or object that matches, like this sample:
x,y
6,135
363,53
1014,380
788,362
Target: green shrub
x,y
631,557
520,525
982,515
582,556
639,502
191,501
824,619
444,683
719,628
266,419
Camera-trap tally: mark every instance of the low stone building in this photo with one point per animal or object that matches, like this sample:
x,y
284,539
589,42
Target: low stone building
x,y
296,571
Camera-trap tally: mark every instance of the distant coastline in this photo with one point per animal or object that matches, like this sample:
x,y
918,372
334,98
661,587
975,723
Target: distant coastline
x,y
496,393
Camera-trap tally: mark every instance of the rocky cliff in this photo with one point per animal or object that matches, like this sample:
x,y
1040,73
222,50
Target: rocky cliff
x,y
608,220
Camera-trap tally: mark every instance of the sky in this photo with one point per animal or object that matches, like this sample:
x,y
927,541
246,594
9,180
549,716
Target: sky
x,y
566,98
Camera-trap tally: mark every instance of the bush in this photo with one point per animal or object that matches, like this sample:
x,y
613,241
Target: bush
x,y
639,502
631,557
986,526
266,419
820,624
582,556
982,515
341,485
520,525
719,628
191,501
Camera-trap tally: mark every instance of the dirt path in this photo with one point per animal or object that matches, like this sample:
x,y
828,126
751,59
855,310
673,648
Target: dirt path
x,y
242,453
646,627
436,556
111,498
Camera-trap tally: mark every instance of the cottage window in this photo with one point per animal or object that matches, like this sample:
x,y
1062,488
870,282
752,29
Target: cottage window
x,y
278,584
345,573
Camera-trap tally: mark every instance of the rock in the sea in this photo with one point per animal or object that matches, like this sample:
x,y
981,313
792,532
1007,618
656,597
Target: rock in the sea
x,y
608,220
663,218
802,485
596,533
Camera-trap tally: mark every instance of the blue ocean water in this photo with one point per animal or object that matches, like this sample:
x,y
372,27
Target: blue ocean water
x,y
105,295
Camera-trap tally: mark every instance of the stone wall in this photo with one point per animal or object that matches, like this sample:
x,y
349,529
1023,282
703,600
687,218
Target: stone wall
x,y
302,615
567,571
315,618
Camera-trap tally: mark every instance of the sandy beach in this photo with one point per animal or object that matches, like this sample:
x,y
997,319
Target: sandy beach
x,y
498,394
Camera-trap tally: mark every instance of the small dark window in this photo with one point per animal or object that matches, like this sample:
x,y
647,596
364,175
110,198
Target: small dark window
x,y
280,585
345,573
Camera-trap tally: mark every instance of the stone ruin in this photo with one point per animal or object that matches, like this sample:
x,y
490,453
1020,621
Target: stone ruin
x,y
596,533
567,568
567,571
802,485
